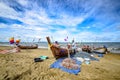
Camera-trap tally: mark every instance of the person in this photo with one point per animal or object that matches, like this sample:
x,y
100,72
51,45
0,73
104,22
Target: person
x,y
56,44
84,48
106,50
74,46
88,49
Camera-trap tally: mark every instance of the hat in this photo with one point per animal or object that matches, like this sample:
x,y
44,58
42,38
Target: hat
x,y
56,41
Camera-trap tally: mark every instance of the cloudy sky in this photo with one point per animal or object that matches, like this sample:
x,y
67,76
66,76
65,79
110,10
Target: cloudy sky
x,y
83,20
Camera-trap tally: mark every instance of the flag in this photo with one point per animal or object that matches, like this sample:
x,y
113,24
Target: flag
x,y
39,39
11,40
17,41
66,38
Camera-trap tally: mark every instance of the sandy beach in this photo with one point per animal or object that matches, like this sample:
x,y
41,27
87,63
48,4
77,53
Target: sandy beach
x,y
21,66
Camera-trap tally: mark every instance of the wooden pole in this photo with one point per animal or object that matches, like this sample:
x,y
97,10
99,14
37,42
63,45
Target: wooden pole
x,y
49,42
48,39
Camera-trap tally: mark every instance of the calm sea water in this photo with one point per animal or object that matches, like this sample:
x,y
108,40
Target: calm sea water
x,y
45,44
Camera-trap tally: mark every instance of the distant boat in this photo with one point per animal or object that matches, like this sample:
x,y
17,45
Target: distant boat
x,y
28,47
115,50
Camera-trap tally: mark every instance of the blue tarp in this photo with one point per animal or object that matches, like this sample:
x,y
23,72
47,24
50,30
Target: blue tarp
x,y
57,64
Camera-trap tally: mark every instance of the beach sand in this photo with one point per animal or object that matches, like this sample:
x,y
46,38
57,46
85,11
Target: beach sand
x,y
21,66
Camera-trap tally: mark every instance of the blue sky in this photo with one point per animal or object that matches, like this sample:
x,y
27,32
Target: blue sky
x,y
83,20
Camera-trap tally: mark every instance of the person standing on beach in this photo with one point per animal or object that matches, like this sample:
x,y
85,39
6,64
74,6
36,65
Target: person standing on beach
x,y
74,46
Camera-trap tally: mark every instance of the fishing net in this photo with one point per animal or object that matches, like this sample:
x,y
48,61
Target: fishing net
x,y
70,63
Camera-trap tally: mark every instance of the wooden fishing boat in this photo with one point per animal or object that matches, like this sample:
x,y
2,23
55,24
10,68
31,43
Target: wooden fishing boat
x,y
28,47
100,50
86,50
57,51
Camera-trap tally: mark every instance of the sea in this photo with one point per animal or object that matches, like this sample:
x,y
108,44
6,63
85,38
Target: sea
x,y
115,45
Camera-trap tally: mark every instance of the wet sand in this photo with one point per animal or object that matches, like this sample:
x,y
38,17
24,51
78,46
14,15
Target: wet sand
x,y
21,66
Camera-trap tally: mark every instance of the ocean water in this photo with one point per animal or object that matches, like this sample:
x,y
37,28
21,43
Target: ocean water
x,y
91,44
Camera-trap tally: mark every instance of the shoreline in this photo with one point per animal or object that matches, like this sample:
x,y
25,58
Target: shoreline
x,y
111,50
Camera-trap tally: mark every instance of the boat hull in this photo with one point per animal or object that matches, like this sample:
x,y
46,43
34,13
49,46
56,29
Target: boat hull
x,y
100,50
28,47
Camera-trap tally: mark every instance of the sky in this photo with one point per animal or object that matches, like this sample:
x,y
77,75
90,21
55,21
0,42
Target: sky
x,y
81,20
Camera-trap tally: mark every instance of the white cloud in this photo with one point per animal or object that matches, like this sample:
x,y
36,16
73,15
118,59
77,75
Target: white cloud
x,y
23,2
37,22
6,11
3,25
91,36
17,26
36,18
69,20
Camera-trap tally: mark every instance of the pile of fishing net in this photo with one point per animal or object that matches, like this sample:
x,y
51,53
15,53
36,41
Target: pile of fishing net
x,y
70,63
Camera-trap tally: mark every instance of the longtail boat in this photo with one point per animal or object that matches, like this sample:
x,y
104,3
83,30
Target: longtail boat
x,y
57,51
